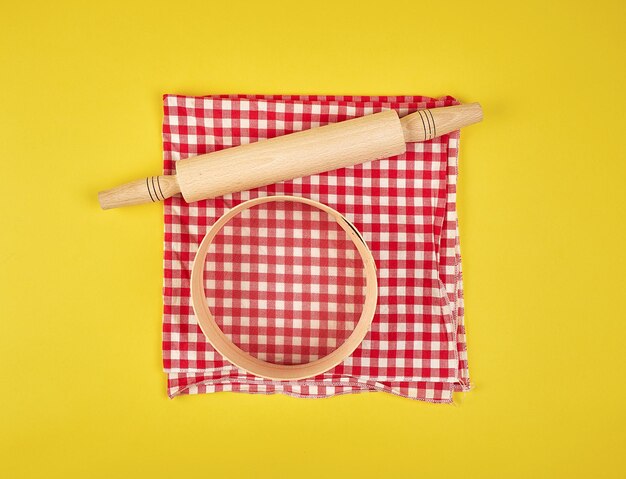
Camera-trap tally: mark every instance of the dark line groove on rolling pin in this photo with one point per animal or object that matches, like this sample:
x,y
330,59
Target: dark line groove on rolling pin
x,y
155,191
148,186
430,130
159,183
423,125
434,126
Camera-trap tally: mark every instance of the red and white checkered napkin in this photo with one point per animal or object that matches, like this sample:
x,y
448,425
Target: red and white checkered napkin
x,y
285,282
404,207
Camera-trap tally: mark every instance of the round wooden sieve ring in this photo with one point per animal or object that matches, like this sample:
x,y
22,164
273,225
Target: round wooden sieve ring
x,y
244,360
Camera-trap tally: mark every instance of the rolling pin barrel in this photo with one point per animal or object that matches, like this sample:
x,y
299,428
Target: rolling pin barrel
x,y
304,153
291,156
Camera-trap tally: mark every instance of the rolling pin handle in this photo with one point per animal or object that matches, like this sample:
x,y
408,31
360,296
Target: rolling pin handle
x,y
150,189
424,125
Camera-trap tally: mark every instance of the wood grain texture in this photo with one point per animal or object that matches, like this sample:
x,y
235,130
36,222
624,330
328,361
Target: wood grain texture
x,y
291,156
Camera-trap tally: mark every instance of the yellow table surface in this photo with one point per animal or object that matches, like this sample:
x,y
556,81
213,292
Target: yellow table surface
x,y
542,209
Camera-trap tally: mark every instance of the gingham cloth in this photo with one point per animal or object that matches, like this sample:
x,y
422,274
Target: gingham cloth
x,y
405,208
285,282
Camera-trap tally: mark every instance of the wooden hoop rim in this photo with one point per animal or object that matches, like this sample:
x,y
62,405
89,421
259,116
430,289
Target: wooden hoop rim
x,y
246,361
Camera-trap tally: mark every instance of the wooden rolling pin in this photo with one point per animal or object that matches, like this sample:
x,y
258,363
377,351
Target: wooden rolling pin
x,y
295,155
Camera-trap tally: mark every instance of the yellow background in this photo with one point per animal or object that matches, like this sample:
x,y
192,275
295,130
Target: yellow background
x,y
542,209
